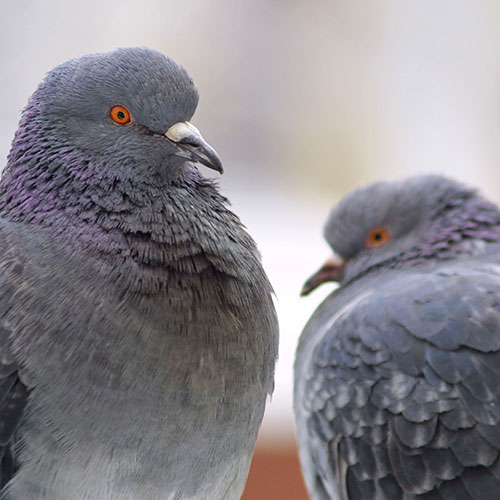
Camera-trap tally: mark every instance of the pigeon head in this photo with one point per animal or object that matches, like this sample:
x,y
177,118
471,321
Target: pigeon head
x,y
390,224
127,111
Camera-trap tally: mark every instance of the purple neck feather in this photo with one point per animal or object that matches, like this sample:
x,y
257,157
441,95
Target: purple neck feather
x,y
456,228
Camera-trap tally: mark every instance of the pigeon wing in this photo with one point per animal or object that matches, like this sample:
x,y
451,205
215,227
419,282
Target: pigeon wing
x,y
402,395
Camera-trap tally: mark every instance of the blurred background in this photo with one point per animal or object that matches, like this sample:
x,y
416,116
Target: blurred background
x,y
303,101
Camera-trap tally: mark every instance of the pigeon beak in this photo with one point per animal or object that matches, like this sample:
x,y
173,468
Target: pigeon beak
x,y
331,270
191,145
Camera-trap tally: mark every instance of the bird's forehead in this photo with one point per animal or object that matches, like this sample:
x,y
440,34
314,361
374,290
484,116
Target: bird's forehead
x,y
362,207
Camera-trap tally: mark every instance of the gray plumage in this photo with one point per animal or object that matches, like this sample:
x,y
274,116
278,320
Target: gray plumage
x,y
137,331
397,392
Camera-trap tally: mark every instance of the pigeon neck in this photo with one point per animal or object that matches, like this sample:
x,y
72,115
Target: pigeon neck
x,y
465,227
104,214
183,227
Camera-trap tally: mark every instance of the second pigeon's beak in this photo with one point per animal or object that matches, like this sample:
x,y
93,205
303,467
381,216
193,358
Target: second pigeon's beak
x,y
191,145
331,270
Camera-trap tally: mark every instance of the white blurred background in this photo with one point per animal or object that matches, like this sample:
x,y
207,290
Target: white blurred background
x,y
302,100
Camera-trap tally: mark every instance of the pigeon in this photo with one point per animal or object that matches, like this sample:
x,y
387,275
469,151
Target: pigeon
x,y
397,392
138,334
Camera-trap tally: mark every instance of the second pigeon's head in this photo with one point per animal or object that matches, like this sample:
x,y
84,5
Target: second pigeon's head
x,y
127,110
389,224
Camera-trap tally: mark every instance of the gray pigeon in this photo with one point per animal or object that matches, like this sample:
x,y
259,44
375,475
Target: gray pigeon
x,y
397,375
137,331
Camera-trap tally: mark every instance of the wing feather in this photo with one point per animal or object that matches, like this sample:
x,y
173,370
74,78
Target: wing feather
x,y
406,383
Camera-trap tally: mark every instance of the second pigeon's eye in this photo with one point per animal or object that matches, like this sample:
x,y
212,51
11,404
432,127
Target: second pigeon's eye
x,y
120,115
377,237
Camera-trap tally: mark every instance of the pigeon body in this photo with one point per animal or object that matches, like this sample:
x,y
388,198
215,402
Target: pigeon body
x,y
396,375
137,331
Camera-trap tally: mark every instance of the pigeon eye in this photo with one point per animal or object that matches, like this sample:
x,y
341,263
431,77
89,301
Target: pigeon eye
x,y
377,237
120,115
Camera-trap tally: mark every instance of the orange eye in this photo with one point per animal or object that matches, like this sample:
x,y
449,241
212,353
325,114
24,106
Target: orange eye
x,y
377,237
120,115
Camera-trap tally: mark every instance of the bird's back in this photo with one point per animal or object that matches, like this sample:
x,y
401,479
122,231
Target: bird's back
x,y
397,392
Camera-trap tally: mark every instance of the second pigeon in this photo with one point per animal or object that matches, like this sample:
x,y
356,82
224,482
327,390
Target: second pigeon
x,y
396,375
